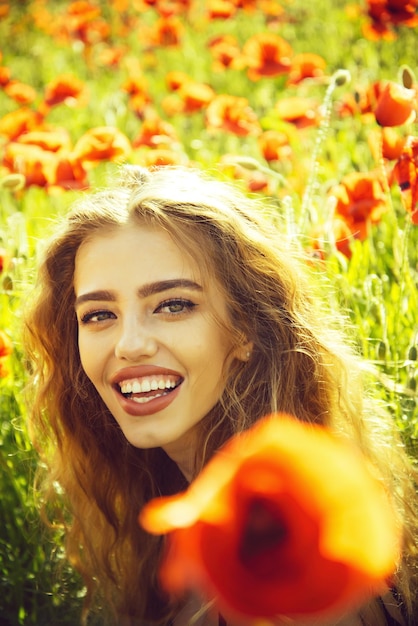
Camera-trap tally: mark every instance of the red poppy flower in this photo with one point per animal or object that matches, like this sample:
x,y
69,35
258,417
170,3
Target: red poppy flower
x,y
299,111
103,143
168,31
51,139
137,88
406,174
274,145
225,52
362,101
267,55
271,8
286,520
83,21
306,65
162,156
176,79
135,85
64,88
36,165
233,114
195,96
334,233
111,56
18,122
248,5
2,259
396,105
246,170
386,143
385,13
4,76
155,132
361,201
69,173
6,346
221,9
20,92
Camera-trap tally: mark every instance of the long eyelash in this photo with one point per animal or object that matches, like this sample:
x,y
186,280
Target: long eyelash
x,y
87,317
187,304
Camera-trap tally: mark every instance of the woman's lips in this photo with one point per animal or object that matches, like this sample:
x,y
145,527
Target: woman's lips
x,y
145,390
149,404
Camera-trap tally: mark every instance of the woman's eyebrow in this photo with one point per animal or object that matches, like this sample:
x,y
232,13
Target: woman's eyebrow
x,y
146,290
106,296
164,285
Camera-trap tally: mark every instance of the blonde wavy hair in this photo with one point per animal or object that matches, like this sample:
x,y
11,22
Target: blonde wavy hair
x,y
300,364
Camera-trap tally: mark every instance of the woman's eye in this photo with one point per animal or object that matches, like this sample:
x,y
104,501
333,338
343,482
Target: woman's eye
x,y
175,306
96,316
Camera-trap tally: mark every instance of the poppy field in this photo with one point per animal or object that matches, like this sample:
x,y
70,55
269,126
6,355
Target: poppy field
x,y
311,105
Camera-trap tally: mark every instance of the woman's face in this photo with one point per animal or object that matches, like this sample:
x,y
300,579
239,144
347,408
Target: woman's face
x,y
150,336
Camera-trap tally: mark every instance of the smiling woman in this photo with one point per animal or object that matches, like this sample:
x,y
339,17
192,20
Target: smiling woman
x,y
171,316
154,343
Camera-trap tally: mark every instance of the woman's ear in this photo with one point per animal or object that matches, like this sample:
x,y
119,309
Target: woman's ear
x,y
243,351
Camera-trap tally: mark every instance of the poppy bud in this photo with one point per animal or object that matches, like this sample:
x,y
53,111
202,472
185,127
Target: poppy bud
x,y
395,106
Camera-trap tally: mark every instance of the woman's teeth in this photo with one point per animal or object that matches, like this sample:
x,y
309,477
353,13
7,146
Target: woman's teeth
x,y
147,384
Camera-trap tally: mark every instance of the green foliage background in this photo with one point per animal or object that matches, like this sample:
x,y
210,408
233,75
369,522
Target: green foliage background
x,y
377,287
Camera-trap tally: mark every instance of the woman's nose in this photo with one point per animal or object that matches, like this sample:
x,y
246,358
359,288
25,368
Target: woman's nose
x,y
135,341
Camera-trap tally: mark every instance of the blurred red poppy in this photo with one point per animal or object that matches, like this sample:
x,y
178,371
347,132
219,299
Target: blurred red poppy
x,y
44,168
195,96
254,178
176,79
334,233
51,139
83,21
4,76
384,14
167,31
233,114
386,143
20,121
34,163
286,520
162,156
44,158
221,9
102,143
2,259
136,84
137,88
396,105
267,55
111,56
155,132
360,200
274,145
64,88
6,346
406,174
165,8
299,111
225,52
362,101
306,65
20,92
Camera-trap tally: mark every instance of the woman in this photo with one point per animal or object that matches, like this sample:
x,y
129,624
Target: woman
x,y
170,316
